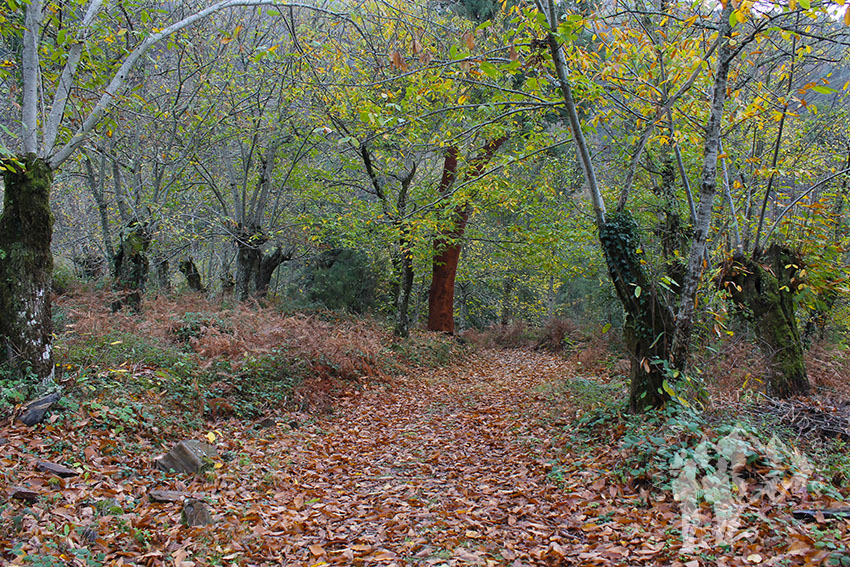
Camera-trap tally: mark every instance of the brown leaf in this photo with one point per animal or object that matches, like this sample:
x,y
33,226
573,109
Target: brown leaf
x,y
469,40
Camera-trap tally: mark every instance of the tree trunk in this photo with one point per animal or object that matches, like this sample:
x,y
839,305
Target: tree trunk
x,y
248,258
442,297
447,244
402,318
193,276
163,279
26,267
132,266
268,264
649,322
764,291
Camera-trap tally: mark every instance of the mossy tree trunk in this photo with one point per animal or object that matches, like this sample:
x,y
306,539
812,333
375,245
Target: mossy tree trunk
x,y
763,289
193,276
649,321
132,266
26,267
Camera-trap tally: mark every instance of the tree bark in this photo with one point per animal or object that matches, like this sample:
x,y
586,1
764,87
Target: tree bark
x,y
26,267
248,257
163,275
268,264
447,244
132,266
254,269
763,289
402,319
649,322
193,276
680,349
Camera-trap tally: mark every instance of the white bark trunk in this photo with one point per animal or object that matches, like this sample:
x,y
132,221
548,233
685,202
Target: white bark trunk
x,y
30,75
708,188
66,81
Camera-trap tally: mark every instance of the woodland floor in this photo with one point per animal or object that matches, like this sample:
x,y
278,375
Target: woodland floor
x,y
470,464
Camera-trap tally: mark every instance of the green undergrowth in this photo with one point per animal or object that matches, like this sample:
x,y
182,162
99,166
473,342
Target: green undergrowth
x,y
710,459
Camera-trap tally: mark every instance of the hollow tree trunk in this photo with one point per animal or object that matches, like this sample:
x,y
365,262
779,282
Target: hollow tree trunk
x,y
649,322
764,290
193,276
26,267
132,266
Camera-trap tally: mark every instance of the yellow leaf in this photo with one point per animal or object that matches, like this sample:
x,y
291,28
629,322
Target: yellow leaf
x,y
211,437
218,465
847,16
116,343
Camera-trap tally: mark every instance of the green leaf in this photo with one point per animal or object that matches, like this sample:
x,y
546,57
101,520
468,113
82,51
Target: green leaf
x,y
489,69
733,18
638,291
823,89
606,328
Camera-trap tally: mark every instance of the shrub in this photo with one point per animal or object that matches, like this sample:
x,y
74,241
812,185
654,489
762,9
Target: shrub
x,y
341,279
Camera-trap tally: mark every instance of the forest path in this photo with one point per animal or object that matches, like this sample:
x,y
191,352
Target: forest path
x,y
447,467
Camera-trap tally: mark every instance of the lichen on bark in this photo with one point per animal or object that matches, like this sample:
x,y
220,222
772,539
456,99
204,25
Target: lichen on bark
x,y
26,267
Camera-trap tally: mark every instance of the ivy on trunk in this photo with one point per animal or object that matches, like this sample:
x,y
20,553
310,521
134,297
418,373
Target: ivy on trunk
x,y
132,266
649,322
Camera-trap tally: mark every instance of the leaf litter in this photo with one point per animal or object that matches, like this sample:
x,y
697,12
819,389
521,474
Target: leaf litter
x,y
467,464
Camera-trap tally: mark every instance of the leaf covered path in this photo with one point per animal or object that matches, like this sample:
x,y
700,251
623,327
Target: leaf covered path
x,y
453,467
447,468
464,465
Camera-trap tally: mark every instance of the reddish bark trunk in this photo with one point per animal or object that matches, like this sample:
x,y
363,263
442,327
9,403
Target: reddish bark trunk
x,y
447,244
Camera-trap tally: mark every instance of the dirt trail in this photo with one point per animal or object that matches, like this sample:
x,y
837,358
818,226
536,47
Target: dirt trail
x,y
448,467
443,469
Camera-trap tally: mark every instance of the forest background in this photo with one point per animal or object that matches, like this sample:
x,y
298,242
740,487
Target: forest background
x,y
667,180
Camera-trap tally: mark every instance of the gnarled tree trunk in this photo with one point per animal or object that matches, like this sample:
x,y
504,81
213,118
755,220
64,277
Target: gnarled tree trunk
x,y
249,253
193,276
254,269
268,264
763,289
26,267
132,266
